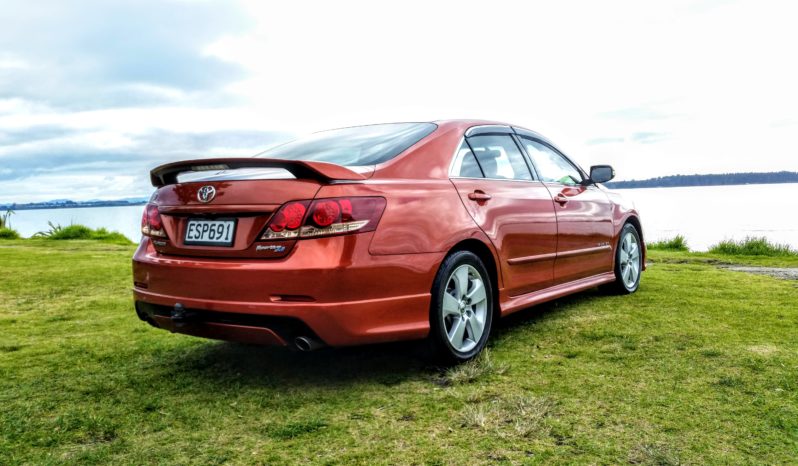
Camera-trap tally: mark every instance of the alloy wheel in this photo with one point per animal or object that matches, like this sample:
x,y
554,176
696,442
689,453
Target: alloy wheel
x,y
630,259
465,308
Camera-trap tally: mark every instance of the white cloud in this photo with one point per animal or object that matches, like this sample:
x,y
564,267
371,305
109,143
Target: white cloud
x,y
706,80
655,88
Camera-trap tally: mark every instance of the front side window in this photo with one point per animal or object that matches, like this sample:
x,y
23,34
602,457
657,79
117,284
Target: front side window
x,y
499,157
551,166
356,146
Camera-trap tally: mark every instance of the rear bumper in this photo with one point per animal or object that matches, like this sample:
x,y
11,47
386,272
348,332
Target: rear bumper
x,y
330,286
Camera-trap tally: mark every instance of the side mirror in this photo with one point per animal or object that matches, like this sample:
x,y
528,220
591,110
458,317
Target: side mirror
x,y
601,173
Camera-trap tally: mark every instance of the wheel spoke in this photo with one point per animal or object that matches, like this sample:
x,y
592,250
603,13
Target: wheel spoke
x,y
624,255
477,295
450,305
633,251
461,281
475,328
627,272
456,333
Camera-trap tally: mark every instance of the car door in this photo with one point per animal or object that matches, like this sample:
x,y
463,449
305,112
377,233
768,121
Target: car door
x,y
584,214
514,209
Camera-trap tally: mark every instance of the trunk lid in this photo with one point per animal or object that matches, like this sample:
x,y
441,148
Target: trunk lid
x,y
241,193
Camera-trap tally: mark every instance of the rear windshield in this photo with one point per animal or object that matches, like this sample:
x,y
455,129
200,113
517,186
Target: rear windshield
x,y
356,146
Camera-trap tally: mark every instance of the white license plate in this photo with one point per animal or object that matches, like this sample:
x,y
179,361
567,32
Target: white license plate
x,y
210,232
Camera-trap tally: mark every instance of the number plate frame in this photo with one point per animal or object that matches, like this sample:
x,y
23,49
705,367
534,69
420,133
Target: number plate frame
x,y
225,244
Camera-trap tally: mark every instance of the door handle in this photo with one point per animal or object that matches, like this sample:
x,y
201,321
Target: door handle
x,y
479,196
561,199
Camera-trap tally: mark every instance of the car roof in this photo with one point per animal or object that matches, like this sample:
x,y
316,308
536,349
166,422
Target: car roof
x,y
466,124
438,148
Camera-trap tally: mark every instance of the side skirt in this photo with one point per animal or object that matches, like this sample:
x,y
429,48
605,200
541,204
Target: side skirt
x,y
516,303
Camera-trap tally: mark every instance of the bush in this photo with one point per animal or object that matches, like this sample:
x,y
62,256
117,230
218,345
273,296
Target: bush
x,y
8,233
752,246
110,236
71,232
57,232
677,243
5,219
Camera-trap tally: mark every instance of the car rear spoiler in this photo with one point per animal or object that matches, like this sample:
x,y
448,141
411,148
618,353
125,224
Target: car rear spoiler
x,y
322,171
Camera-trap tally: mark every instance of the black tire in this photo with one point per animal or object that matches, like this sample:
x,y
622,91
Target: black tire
x,y
441,349
623,284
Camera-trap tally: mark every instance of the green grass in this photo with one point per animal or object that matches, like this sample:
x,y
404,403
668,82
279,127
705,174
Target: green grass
x,y
753,246
714,258
697,367
677,243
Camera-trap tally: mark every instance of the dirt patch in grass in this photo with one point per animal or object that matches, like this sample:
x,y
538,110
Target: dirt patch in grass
x,y
654,454
764,350
513,416
478,368
784,273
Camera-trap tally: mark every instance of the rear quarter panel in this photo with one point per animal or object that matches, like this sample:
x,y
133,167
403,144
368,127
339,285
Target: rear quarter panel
x,y
421,216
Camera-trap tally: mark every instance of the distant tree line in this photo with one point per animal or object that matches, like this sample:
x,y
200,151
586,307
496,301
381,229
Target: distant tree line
x,y
708,180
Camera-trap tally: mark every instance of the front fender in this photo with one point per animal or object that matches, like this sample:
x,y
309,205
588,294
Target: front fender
x,y
624,211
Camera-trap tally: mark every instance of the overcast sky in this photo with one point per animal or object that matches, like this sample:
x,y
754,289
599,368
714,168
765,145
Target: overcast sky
x,y
95,93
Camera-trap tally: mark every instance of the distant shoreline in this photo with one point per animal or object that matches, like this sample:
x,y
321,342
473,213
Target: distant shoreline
x,y
717,179
19,207
624,186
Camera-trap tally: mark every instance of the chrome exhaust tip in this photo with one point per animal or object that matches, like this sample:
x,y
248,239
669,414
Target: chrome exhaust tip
x,y
307,343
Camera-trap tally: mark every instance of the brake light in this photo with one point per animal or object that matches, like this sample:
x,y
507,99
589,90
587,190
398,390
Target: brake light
x,y
326,212
151,223
290,217
325,217
285,223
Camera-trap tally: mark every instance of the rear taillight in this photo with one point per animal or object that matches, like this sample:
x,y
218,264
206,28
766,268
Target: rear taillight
x,y
151,223
325,217
285,223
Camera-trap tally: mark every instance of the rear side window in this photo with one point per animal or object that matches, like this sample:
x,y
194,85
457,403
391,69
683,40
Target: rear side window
x,y
465,164
356,146
499,157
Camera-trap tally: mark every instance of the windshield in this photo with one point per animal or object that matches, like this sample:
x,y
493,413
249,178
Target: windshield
x,y
356,146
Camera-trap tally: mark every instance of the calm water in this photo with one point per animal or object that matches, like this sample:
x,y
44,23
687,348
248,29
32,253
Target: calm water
x,y
705,215
708,214
126,220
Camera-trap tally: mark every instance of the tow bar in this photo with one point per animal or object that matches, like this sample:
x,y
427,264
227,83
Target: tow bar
x,y
181,317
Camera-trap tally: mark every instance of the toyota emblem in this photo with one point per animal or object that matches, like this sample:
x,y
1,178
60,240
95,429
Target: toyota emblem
x,y
206,194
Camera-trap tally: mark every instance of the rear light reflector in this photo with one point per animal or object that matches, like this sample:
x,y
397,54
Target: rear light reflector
x,y
338,228
325,217
151,223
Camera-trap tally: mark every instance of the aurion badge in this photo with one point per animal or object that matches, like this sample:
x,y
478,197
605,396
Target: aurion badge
x,y
206,194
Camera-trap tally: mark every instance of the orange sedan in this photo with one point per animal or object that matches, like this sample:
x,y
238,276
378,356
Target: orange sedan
x,y
380,233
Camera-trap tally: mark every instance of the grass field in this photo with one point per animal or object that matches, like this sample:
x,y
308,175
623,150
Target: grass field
x,y
700,366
